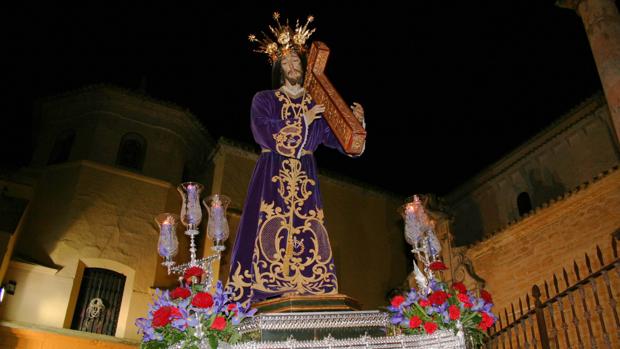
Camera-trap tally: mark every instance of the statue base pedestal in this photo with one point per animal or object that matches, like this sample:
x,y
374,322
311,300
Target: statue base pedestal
x,y
329,322
315,325
305,303
335,330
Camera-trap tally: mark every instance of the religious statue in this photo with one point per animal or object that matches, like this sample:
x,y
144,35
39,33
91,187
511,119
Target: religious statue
x,y
282,246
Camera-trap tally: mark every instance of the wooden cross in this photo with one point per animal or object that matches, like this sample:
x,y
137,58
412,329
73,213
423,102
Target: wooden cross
x,y
348,130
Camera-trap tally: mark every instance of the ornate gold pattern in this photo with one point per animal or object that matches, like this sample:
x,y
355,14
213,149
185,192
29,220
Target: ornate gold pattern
x,y
307,246
291,137
292,253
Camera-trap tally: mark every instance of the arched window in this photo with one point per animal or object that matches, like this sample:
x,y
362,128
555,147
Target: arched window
x,y
62,147
131,151
524,203
99,301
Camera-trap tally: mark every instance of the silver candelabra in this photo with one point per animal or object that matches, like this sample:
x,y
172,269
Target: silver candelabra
x,y
191,217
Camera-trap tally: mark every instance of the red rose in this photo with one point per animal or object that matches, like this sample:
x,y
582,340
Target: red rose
x,y
464,299
164,315
438,297
180,292
486,321
233,307
486,296
454,312
430,327
437,265
424,303
459,286
202,300
415,322
219,323
193,271
397,301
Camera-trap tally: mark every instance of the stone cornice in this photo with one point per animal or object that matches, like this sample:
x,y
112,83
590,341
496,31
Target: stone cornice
x,y
112,90
549,133
568,4
547,205
113,170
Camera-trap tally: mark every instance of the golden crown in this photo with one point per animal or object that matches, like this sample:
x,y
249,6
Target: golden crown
x,y
286,40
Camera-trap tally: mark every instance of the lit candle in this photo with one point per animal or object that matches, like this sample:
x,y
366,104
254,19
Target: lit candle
x,y
167,247
218,218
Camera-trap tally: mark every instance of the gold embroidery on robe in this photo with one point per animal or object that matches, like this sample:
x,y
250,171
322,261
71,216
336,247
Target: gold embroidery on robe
x,y
291,137
289,257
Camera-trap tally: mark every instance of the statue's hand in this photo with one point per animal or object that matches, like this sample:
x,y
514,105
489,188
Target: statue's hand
x,y
313,113
358,111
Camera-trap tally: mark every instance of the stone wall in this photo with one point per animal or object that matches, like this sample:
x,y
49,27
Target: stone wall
x,y
571,151
93,215
25,336
101,115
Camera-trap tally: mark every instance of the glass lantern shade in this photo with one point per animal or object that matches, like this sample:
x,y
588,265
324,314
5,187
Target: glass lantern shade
x,y
417,221
217,226
191,213
168,245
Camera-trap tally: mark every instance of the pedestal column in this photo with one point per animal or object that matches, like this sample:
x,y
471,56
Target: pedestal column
x,y
602,23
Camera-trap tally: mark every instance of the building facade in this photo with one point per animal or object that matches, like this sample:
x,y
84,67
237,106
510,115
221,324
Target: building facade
x,y
106,162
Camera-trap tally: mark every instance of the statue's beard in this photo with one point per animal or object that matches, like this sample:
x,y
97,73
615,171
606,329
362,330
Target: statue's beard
x,y
294,80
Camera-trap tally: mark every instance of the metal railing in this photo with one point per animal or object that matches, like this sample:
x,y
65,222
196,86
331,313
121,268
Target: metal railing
x,y
582,314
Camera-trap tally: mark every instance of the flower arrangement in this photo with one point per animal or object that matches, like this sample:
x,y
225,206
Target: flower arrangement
x,y
189,316
441,307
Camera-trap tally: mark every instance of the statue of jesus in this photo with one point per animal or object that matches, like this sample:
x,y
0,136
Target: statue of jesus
x,y
282,245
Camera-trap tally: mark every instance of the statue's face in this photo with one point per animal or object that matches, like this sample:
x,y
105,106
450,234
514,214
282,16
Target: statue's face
x,y
291,68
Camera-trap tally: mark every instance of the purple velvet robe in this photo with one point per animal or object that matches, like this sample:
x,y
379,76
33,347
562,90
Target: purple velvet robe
x,y
282,245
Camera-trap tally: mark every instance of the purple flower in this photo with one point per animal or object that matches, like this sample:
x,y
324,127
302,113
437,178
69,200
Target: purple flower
x,y
144,327
193,321
397,319
445,316
179,324
219,297
435,286
412,297
242,313
479,304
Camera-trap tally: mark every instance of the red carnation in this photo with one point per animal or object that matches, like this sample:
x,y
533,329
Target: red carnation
x,y
438,297
219,323
486,321
430,327
424,303
454,312
397,301
180,292
202,300
464,299
415,322
459,286
165,315
437,265
193,271
486,296
231,306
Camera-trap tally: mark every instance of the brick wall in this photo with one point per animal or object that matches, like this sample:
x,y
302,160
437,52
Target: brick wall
x,y
533,249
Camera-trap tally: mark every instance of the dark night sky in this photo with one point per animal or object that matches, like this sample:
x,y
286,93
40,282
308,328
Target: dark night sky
x,y
448,88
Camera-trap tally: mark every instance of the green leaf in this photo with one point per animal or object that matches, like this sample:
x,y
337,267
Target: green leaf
x,y
213,342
